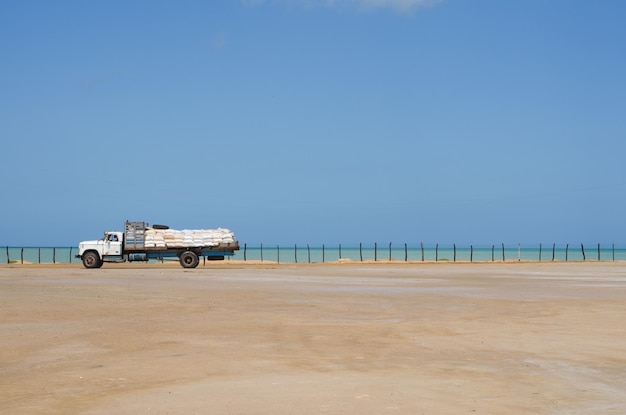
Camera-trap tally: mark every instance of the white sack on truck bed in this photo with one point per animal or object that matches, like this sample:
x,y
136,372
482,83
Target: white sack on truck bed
x,y
171,238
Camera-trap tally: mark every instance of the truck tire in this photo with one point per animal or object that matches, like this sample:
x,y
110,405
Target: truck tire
x,y
91,259
189,259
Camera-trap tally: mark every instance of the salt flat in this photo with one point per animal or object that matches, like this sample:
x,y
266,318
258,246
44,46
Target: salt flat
x,y
376,338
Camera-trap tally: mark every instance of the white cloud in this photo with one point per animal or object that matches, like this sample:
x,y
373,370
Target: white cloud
x,y
400,6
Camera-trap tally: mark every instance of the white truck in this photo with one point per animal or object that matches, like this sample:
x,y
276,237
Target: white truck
x,y
140,242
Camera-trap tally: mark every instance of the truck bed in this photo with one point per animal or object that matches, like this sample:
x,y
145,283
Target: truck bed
x,y
228,247
140,237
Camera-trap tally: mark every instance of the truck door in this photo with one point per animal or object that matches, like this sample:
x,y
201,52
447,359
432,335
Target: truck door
x,y
112,245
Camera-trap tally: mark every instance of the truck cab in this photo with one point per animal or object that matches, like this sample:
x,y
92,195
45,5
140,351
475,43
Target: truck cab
x,y
93,253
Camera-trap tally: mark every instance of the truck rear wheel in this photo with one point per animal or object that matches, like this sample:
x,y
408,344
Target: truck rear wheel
x,y
91,260
189,259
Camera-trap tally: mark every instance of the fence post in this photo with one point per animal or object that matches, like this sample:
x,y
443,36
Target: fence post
x,y
582,248
261,252
493,253
437,253
339,251
539,252
71,254
308,249
8,259
613,250
503,259
245,252
389,251
39,255
277,254
454,245
471,253
323,254
598,252
22,256
375,251
566,251
553,251
361,250
295,252
422,246
406,253
54,255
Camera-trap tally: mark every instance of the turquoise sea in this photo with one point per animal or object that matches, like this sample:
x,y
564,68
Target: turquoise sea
x,y
333,253
39,255
378,252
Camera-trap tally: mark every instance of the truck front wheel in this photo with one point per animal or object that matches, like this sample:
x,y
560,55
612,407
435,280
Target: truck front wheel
x,y
91,260
189,259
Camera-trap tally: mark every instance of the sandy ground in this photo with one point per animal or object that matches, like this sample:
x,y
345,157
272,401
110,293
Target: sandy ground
x,y
516,338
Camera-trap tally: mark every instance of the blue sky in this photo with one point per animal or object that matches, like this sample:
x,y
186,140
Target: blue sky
x,y
315,121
